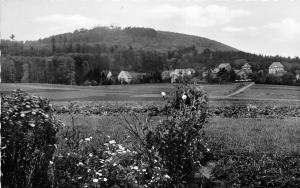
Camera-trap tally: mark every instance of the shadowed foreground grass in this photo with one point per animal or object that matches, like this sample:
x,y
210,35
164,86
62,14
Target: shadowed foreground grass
x,y
243,134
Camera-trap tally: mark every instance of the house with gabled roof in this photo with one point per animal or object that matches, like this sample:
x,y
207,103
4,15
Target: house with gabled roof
x,y
109,75
276,68
130,77
247,68
241,74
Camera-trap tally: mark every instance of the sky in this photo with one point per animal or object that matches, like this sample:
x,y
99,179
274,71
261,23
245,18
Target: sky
x,y
269,27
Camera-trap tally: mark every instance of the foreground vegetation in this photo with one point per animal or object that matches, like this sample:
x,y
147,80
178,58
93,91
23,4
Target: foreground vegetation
x,y
121,147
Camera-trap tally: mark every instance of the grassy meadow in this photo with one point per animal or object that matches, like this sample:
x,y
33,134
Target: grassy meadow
x,y
139,92
251,134
242,134
246,150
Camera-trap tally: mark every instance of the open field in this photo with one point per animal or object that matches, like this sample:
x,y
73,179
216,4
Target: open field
x,y
242,134
139,92
142,94
265,92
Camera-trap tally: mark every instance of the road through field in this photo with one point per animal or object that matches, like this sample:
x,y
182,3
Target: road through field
x,y
241,89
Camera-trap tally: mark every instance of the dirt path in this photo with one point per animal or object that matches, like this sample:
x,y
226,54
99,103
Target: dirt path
x,y
241,90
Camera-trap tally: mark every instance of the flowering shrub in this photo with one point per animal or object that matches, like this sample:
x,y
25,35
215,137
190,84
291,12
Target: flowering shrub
x,y
176,144
27,140
179,138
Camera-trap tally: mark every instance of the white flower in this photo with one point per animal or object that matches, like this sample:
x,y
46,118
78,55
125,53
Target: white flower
x,y
184,96
144,170
95,180
112,142
33,112
80,164
91,155
32,124
99,174
208,149
22,115
167,176
51,162
121,147
135,168
104,179
163,93
79,178
87,139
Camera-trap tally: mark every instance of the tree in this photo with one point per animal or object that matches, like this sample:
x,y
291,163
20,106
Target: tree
x,y
12,37
53,45
25,78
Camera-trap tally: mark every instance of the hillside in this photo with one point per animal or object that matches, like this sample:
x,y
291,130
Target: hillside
x,y
137,38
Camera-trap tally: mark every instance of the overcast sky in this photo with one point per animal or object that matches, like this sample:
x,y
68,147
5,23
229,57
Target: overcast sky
x,y
268,27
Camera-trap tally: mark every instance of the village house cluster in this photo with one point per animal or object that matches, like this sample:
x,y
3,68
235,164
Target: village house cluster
x,y
241,74
177,75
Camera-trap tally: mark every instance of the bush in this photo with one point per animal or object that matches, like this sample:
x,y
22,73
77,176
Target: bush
x,y
27,140
94,83
176,144
87,83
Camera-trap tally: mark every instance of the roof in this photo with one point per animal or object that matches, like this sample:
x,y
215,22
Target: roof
x,y
124,73
246,65
276,64
239,72
131,74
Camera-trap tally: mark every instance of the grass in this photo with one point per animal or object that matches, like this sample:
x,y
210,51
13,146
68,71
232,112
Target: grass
x,y
243,134
138,92
264,91
255,134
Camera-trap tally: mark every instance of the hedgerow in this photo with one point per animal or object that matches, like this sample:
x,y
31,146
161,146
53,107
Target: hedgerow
x,y
28,140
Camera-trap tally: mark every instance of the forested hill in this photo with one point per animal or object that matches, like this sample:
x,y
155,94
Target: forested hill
x,y
137,38
87,55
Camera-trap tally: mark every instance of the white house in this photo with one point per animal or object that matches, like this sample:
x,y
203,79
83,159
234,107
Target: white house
x,y
276,68
109,75
166,75
130,77
247,68
125,77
